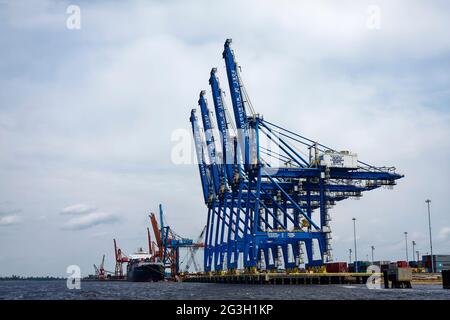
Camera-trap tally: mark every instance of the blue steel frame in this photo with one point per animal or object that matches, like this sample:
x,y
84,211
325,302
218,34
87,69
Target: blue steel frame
x,y
172,243
261,215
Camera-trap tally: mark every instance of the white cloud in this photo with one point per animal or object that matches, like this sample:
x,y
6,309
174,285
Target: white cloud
x,y
9,220
78,209
89,220
85,216
9,217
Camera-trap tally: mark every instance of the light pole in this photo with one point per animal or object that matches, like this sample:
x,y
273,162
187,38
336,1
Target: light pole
x,y
413,246
350,255
373,249
406,244
354,237
417,252
428,201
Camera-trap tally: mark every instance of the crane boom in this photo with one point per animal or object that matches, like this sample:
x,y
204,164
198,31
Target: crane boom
x,y
164,233
97,272
240,114
115,250
161,220
210,141
156,230
193,250
235,87
222,123
102,265
149,239
202,167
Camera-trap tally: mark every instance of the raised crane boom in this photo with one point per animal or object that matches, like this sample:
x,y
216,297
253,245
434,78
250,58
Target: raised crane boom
x,y
157,234
199,243
210,141
149,239
222,123
237,100
202,167
102,265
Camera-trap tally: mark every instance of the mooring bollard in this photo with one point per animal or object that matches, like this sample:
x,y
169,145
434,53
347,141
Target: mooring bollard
x,y
446,279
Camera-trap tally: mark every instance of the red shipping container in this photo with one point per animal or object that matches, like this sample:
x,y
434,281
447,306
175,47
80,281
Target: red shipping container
x,y
402,264
337,267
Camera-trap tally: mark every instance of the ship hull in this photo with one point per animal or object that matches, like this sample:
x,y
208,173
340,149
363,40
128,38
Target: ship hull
x,y
146,272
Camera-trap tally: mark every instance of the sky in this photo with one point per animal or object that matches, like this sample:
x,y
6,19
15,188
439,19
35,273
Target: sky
x,y
88,116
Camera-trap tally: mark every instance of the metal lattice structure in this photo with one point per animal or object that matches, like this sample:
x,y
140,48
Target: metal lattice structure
x,y
268,190
169,243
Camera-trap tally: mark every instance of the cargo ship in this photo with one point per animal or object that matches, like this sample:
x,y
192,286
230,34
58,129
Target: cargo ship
x,y
143,267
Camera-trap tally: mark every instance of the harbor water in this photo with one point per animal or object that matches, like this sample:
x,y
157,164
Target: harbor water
x,y
117,290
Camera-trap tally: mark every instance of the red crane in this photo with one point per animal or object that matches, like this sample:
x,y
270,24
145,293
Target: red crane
x,y
120,260
100,271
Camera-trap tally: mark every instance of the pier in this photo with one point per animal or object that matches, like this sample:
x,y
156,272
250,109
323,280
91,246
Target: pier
x,y
282,278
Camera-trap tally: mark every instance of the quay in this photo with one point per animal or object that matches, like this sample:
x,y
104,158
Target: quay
x,y
283,278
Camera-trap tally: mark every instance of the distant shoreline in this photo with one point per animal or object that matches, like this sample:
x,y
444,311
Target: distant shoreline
x,y
48,278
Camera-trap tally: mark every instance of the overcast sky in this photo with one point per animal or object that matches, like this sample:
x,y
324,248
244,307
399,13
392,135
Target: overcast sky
x,y
86,116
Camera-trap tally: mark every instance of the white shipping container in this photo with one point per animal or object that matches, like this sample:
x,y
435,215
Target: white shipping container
x,y
343,159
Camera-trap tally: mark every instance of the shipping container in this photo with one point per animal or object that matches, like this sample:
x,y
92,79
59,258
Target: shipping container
x,y
362,269
440,262
384,267
351,267
438,258
361,266
442,257
337,267
402,264
380,263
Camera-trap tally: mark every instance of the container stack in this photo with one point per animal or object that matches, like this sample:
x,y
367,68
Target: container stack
x,y
383,265
361,266
337,267
402,264
440,262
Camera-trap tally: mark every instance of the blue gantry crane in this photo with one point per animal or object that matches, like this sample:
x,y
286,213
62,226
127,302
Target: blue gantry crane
x,y
268,190
169,243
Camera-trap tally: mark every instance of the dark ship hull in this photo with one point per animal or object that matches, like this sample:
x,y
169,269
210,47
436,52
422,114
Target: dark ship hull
x,y
145,272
